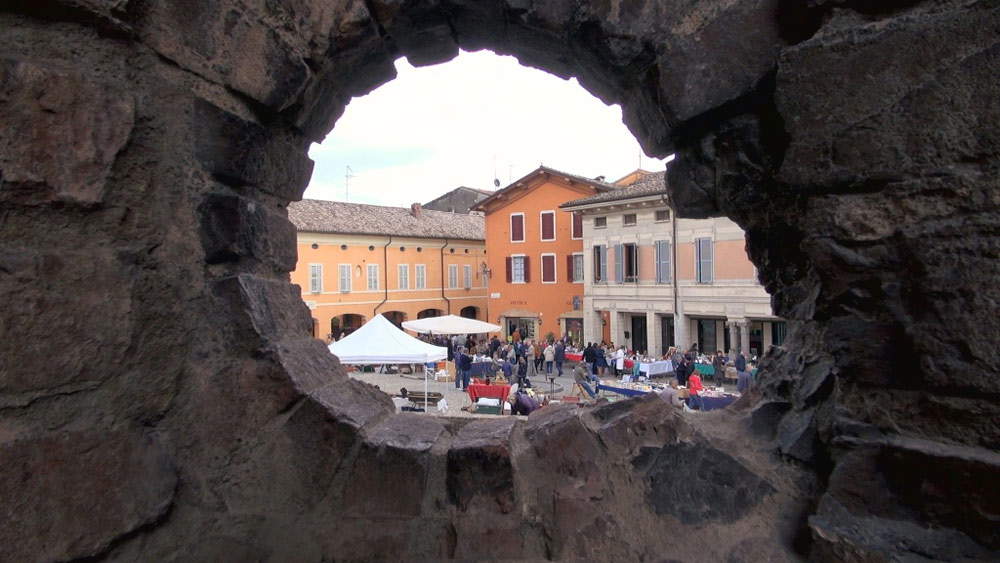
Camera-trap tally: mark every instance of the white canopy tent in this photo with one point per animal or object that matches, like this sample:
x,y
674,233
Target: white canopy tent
x,y
450,324
380,342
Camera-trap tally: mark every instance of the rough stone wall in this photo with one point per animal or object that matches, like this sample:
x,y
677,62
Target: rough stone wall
x,y
161,398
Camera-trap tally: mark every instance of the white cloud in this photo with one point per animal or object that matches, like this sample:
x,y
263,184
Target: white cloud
x,y
435,128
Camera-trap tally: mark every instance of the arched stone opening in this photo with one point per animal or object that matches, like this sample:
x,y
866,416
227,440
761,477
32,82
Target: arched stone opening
x,y
426,313
395,317
343,325
470,312
165,352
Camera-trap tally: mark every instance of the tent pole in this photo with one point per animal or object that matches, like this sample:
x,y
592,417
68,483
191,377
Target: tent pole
x,y
425,383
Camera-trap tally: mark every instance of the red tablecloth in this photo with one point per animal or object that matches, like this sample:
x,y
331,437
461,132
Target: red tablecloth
x,y
488,391
574,356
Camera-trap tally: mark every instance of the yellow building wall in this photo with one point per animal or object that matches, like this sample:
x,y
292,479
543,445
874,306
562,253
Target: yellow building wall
x,y
359,251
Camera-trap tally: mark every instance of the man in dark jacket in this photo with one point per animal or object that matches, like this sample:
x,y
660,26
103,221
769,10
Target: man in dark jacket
x,y
560,356
464,369
683,370
719,364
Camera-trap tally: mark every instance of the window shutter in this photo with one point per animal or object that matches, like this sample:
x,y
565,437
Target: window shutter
x,y
708,259
517,227
509,269
548,226
619,263
604,263
527,270
577,225
569,268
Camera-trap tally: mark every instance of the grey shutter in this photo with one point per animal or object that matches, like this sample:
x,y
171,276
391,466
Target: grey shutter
x,y
662,261
704,260
604,263
619,263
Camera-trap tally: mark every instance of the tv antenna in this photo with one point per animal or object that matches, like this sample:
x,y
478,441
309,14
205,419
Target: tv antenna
x,y
348,174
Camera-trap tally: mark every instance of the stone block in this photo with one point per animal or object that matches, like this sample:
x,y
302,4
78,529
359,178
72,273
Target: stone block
x,y
57,337
270,309
235,228
479,467
70,495
230,46
242,153
62,133
874,100
389,476
698,484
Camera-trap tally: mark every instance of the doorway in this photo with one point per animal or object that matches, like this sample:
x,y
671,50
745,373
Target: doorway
x,y
666,332
639,333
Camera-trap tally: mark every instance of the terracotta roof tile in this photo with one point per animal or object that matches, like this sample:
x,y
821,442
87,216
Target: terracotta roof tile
x,y
319,216
651,184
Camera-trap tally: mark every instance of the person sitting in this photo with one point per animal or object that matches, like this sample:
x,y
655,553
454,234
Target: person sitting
x,y
581,379
694,391
671,397
524,404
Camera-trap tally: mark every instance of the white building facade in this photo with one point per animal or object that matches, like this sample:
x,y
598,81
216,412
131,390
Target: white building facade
x,y
653,281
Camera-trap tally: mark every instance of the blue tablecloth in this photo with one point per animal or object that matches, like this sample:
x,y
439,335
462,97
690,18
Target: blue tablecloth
x,y
712,403
622,391
480,369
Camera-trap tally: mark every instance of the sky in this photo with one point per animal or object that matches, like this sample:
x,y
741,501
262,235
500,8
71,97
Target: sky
x,y
476,118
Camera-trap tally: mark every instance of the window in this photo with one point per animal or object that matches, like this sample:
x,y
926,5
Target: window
x,y
315,278
663,261
703,259
518,270
372,276
548,268
548,220
577,226
631,258
600,222
662,215
421,276
517,227
404,276
574,268
707,336
467,274
600,263
779,330
345,278
628,219
626,263
452,275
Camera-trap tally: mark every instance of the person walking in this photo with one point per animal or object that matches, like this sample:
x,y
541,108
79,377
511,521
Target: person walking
x,y
719,365
560,356
619,361
464,369
683,370
550,356
694,392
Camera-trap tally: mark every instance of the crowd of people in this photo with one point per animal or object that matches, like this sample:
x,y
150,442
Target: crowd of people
x,y
523,360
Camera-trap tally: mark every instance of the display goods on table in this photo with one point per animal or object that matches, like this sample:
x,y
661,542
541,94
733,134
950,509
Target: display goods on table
x,y
656,368
490,391
711,398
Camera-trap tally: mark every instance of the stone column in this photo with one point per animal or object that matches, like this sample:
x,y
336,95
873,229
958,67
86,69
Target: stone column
x,y
591,324
681,331
744,336
652,334
615,319
767,336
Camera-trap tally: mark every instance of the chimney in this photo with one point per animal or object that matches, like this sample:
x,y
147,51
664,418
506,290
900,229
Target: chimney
x,y
415,210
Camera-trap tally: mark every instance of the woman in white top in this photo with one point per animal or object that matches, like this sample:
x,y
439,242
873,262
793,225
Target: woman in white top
x,y
619,360
550,356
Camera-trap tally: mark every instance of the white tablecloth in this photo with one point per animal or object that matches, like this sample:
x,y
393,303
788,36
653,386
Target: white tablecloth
x,y
657,368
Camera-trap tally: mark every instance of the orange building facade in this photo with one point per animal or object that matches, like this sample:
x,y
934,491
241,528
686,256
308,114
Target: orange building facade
x,y
535,255
356,261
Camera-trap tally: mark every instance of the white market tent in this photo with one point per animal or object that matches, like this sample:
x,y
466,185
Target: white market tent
x,y
450,324
380,342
